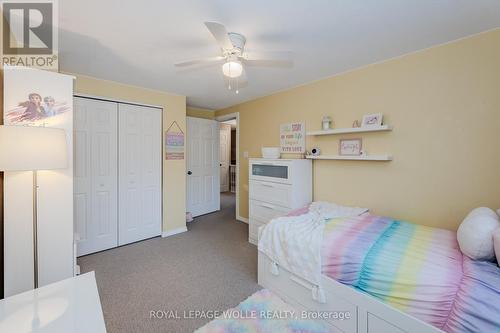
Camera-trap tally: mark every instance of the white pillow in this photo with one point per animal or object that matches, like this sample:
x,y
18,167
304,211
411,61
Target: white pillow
x,y
475,234
483,211
496,244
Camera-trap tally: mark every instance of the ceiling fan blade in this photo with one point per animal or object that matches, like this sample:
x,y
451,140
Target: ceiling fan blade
x,y
268,59
213,60
220,34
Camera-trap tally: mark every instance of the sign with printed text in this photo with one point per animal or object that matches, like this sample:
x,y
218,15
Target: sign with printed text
x,y
293,138
174,142
30,33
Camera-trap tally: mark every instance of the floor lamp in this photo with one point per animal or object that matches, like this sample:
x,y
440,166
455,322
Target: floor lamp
x,y
30,148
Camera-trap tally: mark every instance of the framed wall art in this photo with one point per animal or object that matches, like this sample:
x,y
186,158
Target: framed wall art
x,y
350,147
372,120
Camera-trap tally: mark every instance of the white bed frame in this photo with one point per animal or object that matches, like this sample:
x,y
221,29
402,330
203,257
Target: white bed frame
x,y
368,315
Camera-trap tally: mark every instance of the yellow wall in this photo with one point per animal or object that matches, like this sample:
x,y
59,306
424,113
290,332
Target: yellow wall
x,y
174,108
444,104
200,113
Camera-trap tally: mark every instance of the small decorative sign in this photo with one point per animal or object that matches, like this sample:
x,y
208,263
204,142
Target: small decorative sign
x,y
293,138
350,147
174,142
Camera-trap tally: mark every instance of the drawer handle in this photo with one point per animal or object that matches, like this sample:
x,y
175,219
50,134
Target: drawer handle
x,y
267,185
267,206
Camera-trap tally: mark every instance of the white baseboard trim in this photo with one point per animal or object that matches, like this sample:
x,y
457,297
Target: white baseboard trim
x,y
242,219
174,232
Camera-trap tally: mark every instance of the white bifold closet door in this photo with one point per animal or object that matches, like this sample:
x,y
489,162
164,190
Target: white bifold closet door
x,y
117,177
139,169
95,174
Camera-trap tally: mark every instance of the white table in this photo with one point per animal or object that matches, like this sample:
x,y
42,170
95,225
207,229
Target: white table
x,y
70,305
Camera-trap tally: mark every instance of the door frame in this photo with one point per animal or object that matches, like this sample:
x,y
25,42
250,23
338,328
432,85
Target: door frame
x,y
224,118
226,153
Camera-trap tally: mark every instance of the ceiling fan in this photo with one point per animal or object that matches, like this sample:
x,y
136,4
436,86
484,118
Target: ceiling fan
x,y
234,57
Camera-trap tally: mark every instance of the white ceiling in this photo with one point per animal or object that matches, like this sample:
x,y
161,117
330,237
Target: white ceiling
x,y
137,42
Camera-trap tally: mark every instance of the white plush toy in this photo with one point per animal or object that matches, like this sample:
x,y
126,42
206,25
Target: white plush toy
x,y
475,234
496,244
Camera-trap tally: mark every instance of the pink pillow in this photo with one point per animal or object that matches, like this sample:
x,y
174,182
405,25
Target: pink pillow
x,y
496,244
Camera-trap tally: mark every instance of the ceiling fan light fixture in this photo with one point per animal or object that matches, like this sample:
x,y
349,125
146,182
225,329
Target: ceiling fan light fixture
x,y
232,69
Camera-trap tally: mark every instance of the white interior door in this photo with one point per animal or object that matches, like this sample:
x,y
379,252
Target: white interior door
x,y
139,160
202,162
225,156
95,174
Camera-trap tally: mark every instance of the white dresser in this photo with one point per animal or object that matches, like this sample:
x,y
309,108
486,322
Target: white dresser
x,y
67,306
276,187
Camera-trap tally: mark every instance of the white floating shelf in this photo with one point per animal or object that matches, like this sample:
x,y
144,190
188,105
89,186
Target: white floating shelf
x,y
351,130
351,158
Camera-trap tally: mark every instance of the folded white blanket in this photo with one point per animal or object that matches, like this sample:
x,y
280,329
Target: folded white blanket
x,y
294,242
327,210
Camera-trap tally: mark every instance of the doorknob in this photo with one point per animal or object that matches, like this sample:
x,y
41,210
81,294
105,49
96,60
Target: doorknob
x,y
190,173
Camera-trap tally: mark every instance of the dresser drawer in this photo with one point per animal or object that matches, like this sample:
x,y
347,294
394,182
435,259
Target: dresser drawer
x,y
276,171
273,193
265,211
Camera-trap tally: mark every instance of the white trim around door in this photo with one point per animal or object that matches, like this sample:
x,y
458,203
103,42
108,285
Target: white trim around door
x,y
174,232
236,115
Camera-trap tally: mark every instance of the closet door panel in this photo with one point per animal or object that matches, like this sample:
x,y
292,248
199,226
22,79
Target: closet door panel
x,y
151,196
139,173
82,178
130,172
95,180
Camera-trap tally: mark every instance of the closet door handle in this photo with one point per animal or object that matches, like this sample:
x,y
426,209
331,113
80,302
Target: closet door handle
x,y
190,173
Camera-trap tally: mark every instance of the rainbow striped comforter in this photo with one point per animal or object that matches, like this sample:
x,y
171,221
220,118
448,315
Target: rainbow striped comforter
x,y
417,269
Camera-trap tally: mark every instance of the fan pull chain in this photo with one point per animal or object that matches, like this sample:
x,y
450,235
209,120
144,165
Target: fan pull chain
x,y
229,76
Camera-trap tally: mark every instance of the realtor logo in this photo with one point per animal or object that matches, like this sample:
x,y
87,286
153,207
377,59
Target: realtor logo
x,y
29,33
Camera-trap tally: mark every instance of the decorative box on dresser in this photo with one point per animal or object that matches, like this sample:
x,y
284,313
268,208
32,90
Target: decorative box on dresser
x,y
276,187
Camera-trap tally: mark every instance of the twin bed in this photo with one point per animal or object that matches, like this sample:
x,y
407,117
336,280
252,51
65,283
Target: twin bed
x,y
366,273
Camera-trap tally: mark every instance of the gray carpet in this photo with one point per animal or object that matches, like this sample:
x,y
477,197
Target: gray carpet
x,y
210,267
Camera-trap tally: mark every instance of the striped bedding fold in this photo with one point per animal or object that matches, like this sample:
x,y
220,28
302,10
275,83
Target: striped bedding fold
x,y
416,269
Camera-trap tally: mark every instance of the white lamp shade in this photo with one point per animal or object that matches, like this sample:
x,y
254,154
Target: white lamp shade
x,y
32,148
232,69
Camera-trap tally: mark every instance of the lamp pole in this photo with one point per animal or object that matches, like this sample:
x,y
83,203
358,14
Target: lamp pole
x,y
35,230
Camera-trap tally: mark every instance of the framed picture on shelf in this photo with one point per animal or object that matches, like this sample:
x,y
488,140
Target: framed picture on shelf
x,y
372,120
350,147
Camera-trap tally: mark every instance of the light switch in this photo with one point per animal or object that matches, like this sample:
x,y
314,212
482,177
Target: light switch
x,y
245,154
